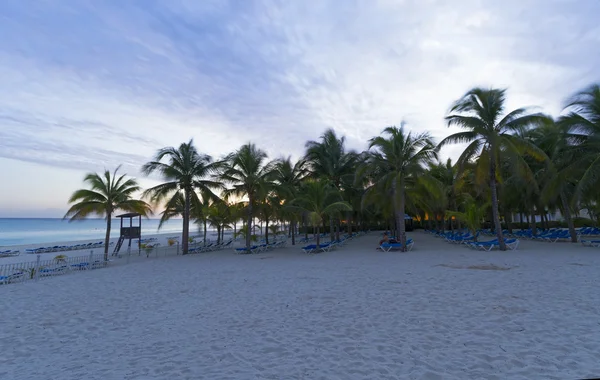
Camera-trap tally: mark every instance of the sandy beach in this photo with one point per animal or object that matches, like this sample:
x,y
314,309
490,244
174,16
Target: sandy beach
x,y
439,312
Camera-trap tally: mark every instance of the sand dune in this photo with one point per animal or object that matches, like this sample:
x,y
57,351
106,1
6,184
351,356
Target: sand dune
x,y
439,312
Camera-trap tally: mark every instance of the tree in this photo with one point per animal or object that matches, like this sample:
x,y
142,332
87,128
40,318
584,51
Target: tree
x,y
248,172
289,176
395,159
555,174
582,122
107,193
491,133
218,216
328,159
319,198
185,171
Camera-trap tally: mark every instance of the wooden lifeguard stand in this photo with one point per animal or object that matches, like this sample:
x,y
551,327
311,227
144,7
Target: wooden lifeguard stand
x,y
129,232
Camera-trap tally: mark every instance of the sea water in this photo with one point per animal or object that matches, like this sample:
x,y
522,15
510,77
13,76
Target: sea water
x,y
21,231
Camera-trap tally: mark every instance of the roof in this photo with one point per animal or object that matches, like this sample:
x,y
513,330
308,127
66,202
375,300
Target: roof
x,y
128,215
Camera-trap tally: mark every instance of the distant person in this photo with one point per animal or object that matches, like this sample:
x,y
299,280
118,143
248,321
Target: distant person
x,y
385,239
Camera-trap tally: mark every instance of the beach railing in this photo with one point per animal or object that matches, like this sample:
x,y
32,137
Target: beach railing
x,y
39,269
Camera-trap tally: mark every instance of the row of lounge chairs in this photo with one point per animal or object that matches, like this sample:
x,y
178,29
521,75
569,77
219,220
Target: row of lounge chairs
x,y
552,235
262,247
468,239
210,247
62,248
329,246
10,253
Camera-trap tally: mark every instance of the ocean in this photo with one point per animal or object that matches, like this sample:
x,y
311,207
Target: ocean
x,y
22,231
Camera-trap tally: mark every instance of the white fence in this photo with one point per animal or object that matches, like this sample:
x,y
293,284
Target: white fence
x,y
62,264
36,270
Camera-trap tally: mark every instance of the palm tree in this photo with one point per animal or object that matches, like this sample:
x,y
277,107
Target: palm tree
x,y
491,133
396,160
249,174
582,122
289,176
107,194
556,174
185,171
218,215
319,199
328,159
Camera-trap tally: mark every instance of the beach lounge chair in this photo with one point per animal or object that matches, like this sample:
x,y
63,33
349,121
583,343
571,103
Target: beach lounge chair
x,y
54,271
16,276
313,248
244,250
590,243
386,247
511,244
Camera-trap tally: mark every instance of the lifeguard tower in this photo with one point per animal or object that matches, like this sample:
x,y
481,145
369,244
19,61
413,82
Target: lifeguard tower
x,y
129,232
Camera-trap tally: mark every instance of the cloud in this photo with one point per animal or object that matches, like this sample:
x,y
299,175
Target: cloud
x,y
94,84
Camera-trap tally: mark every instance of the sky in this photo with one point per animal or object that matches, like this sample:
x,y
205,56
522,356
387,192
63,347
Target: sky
x,y
92,84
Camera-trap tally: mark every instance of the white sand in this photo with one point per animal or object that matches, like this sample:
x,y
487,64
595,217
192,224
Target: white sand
x,y
350,314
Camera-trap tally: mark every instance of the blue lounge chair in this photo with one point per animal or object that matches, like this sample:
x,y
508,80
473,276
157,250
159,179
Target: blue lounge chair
x,y
386,247
511,244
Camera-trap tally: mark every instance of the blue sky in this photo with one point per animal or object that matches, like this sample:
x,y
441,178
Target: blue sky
x,y
88,85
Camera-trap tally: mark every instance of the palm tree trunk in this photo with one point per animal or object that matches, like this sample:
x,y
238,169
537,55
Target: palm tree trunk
x,y
267,230
543,220
521,221
349,222
186,222
495,213
568,217
331,230
397,195
204,232
401,220
107,238
249,223
508,217
318,238
337,229
305,225
533,224
292,229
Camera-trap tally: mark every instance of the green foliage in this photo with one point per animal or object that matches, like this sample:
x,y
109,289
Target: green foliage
x,y
473,214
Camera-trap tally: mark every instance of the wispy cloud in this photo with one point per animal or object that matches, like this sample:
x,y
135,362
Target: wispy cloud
x,y
93,84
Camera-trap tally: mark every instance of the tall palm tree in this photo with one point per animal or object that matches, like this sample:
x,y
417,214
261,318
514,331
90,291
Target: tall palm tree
x,y
249,173
555,174
107,193
289,176
582,121
490,132
185,171
397,159
319,199
329,159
